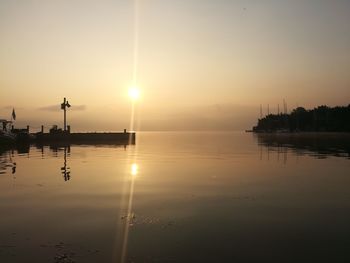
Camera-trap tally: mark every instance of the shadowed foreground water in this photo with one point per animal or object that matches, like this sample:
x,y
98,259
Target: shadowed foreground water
x,y
177,197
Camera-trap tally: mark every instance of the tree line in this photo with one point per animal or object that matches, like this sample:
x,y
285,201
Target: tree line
x,y
320,119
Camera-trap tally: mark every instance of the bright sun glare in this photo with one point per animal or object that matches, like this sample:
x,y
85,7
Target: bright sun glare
x,y
134,93
134,169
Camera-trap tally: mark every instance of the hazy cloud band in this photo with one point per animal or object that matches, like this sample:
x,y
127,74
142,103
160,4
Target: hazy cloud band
x,y
57,107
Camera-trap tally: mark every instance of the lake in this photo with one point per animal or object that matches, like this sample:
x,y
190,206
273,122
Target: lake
x,y
178,197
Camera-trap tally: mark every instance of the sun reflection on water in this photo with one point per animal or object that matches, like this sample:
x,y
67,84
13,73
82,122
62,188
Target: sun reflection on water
x,y
134,169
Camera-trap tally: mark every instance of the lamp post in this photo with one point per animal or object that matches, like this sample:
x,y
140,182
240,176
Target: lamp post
x,y
64,107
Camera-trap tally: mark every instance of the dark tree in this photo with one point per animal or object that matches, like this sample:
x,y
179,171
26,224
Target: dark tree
x,y
322,118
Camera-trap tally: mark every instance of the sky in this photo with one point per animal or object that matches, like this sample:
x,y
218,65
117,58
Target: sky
x,y
199,64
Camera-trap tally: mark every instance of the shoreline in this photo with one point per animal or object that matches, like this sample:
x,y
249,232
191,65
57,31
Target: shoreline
x,y
305,134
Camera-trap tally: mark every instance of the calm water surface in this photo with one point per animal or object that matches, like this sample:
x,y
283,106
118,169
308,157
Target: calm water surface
x,y
177,197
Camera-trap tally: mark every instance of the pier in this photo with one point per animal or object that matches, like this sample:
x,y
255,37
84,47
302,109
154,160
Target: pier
x,y
57,135
88,138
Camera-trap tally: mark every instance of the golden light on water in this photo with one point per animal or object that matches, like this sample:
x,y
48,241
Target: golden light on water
x,y
134,169
134,93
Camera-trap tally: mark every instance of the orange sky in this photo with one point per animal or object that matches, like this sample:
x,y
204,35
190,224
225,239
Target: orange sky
x,y
200,64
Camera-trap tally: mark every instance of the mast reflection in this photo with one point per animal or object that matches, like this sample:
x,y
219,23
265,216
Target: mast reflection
x,y
317,145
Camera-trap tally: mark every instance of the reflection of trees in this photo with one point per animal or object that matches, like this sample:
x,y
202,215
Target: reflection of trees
x,y
318,145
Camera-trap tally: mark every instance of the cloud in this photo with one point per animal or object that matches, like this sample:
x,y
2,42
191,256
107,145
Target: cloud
x,y
57,107
202,117
51,108
8,107
78,107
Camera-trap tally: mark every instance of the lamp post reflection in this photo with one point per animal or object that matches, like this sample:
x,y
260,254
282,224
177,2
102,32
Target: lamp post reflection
x,y
65,170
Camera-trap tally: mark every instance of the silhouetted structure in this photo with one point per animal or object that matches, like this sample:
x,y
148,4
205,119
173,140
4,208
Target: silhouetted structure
x,y
320,119
85,138
64,107
11,136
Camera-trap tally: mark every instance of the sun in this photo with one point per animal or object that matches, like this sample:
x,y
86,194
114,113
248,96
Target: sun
x,y
134,93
